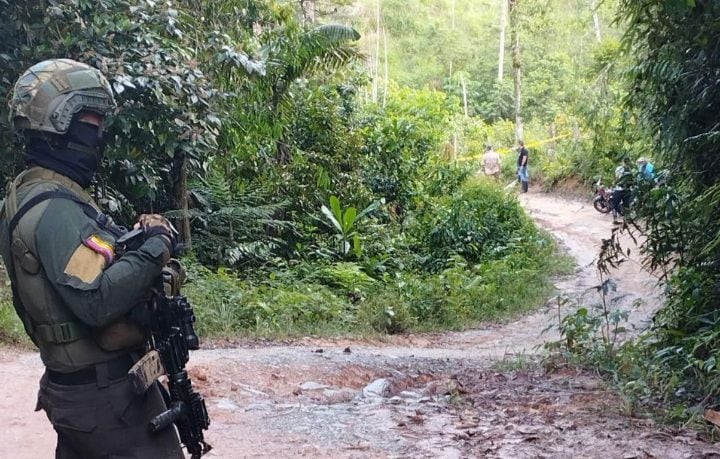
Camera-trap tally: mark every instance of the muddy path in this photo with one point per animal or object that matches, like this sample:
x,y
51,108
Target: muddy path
x,y
467,394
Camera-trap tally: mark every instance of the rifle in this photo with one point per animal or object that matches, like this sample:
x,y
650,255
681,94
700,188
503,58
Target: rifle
x,y
172,336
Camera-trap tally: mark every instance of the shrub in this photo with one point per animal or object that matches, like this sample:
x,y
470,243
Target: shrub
x,y
479,223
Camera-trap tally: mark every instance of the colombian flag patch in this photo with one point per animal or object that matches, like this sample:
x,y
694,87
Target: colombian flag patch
x,y
104,248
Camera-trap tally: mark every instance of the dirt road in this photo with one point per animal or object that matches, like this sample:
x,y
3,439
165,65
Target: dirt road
x,y
468,394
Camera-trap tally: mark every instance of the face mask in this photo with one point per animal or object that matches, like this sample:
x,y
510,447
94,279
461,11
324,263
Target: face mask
x,y
79,159
86,134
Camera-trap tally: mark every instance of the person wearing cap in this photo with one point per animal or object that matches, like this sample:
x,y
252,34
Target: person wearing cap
x,y
76,299
646,169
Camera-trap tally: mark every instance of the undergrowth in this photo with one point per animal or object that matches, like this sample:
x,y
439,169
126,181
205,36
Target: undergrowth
x,y
463,259
656,380
468,256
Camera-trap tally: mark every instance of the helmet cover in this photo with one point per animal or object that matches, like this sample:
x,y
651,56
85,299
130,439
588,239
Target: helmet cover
x,y
50,93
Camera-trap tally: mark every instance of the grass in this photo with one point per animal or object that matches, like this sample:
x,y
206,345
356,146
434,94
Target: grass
x,y
515,362
291,305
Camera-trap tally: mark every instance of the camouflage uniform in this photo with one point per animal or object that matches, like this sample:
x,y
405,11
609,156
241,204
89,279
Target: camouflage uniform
x,y
75,299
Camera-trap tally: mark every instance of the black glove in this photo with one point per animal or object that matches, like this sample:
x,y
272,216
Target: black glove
x,y
167,236
158,226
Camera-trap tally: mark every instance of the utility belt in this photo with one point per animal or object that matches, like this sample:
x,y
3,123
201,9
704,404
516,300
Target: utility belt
x,y
103,373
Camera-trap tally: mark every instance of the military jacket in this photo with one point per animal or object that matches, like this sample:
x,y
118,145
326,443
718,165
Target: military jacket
x,y
75,294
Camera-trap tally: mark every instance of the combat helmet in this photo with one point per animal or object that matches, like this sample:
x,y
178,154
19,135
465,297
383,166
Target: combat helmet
x,y
50,93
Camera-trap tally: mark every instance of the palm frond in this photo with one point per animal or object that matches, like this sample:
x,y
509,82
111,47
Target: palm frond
x,y
336,33
324,47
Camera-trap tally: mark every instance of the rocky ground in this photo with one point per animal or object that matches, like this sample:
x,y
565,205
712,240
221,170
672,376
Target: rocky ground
x,y
478,393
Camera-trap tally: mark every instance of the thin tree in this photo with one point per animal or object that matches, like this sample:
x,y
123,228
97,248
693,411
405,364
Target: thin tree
x,y
377,53
464,90
503,26
596,19
517,65
452,13
385,45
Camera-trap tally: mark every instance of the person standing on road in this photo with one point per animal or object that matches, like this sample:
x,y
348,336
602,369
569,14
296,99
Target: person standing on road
x,y
621,194
75,299
491,163
522,166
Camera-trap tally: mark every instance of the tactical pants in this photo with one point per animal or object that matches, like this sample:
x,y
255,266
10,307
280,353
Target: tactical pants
x,y
108,422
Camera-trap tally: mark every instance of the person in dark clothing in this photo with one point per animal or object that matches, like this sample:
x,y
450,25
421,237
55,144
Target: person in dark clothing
x,y
621,192
522,166
75,298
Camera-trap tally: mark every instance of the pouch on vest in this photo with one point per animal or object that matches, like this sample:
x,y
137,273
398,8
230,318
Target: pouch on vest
x,y
123,334
27,261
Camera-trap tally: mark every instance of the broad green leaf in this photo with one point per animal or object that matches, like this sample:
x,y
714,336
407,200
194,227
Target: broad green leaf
x,y
349,219
336,209
357,246
331,218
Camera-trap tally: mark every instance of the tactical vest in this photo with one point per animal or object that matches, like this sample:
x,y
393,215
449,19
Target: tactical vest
x,y
65,343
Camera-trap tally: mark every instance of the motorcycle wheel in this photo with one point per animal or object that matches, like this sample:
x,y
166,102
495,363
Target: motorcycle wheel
x,y
601,205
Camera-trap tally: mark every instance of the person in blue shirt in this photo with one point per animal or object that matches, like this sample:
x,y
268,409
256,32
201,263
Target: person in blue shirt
x,y
646,169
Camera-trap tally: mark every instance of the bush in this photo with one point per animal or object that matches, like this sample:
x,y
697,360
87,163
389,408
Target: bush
x,y
227,306
386,312
478,223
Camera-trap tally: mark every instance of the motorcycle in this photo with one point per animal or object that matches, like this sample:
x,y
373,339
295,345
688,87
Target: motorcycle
x,y
601,201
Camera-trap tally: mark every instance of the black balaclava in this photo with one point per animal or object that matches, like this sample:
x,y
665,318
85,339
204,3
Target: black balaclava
x,y
76,155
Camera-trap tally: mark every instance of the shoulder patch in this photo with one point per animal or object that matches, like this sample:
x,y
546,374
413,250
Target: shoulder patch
x,y
85,264
101,246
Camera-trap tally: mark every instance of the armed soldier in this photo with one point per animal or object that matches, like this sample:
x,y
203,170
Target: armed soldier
x,y
76,300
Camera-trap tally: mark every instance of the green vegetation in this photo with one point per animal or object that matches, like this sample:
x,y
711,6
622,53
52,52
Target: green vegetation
x,y
308,207
485,262
574,123
323,187
670,99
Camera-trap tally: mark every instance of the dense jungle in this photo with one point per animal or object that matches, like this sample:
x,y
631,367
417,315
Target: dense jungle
x,y
361,288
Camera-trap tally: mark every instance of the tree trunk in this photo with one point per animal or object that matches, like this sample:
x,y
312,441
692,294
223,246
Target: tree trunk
x,y
464,89
452,14
455,147
386,67
517,66
377,52
576,132
596,20
503,26
283,154
181,199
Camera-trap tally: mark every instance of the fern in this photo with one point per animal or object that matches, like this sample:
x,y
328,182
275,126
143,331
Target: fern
x,y
235,228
